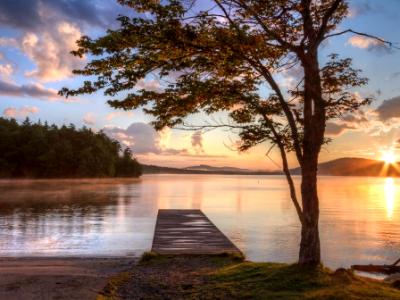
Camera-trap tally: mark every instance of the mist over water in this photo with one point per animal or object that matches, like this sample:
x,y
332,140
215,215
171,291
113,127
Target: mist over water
x,y
359,223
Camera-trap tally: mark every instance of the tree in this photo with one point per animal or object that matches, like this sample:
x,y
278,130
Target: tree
x,y
217,59
127,166
43,151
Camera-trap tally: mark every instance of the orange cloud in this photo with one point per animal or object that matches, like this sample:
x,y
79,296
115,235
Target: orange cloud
x,y
51,52
113,115
364,42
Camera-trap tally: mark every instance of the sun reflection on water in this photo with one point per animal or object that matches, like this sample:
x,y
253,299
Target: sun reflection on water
x,y
94,218
390,196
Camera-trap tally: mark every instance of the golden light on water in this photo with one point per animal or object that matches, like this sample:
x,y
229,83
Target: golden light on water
x,y
390,196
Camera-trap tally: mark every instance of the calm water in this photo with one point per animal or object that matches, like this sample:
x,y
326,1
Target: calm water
x,y
360,217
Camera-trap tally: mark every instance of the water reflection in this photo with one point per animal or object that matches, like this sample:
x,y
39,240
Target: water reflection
x,y
68,218
359,216
390,193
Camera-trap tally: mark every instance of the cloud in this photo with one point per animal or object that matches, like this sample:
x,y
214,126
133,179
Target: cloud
x,y
389,109
360,120
371,44
89,119
49,49
292,76
140,137
355,118
6,70
395,75
361,8
149,85
50,52
146,143
197,141
49,30
8,42
374,122
336,129
12,112
46,31
116,114
19,13
30,15
34,90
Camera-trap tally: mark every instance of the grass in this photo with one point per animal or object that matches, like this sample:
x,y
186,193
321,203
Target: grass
x,y
110,291
249,280
217,259
227,277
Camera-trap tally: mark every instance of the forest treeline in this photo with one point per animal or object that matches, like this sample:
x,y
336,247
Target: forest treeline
x,y
36,150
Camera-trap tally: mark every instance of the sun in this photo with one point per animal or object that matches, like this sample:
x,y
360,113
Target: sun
x,y
388,157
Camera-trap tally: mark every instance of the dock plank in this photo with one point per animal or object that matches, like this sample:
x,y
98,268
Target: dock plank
x,y
188,231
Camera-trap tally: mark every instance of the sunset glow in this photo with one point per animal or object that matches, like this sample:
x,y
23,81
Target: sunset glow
x,y
205,149
35,62
389,157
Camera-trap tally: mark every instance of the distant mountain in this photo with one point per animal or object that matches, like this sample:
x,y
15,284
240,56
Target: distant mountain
x,y
348,166
354,166
204,169
217,169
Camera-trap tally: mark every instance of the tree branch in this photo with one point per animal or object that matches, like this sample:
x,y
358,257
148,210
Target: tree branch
x,y
189,127
325,20
260,22
286,109
268,76
385,42
285,167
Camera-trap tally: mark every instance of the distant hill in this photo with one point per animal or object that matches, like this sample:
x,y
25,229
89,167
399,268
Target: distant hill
x,y
218,169
204,169
354,166
348,166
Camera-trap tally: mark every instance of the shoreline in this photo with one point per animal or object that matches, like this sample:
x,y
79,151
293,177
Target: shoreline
x,y
230,277
63,277
152,276
69,257
78,180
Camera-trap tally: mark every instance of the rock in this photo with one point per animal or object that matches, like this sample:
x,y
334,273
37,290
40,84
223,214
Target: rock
x,y
396,284
343,275
340,271
392,278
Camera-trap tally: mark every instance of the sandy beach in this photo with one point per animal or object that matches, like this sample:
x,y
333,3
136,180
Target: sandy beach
x,y
58,277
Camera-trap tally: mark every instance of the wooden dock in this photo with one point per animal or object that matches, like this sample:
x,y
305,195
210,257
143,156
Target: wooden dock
x,y
188,231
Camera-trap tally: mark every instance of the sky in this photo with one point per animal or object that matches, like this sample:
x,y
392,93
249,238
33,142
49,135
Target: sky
x,y
36,37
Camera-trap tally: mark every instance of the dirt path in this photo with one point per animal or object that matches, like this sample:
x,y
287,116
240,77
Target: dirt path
x,y
57,278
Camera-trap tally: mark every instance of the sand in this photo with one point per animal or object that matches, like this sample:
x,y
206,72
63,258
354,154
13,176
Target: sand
x,y
58,278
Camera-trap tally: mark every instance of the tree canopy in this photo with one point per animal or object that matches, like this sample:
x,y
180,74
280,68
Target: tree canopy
x,y
218,55
217,58
30,150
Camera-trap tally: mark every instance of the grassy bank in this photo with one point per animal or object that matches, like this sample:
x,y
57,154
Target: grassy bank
x,y
222,277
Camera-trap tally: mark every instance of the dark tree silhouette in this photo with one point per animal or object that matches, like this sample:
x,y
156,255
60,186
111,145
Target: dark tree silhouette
x,y
216,58
42,151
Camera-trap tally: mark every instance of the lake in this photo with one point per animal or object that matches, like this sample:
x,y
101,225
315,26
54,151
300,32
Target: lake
x,y
359,223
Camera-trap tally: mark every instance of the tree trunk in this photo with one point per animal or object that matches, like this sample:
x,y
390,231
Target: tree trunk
x,y
310,251
314,128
